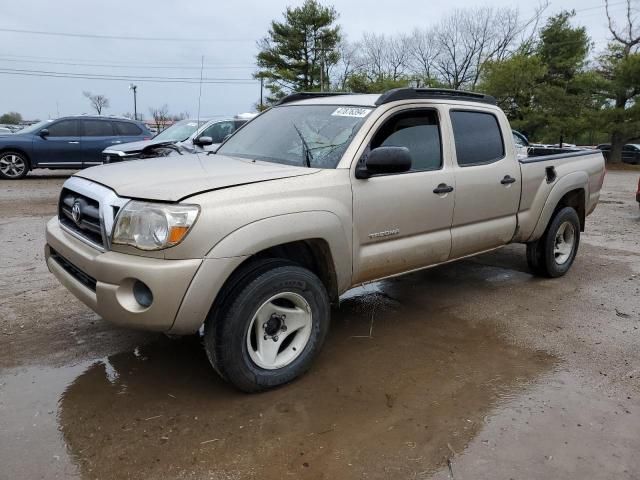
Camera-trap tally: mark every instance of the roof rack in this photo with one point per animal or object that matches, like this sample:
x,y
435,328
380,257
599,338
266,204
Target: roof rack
x,y
433,93
294,97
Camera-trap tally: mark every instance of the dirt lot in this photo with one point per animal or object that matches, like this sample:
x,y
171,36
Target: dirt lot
x,y
474,370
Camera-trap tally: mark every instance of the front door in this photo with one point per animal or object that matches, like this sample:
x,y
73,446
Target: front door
x,y
488,184
402,221
61,147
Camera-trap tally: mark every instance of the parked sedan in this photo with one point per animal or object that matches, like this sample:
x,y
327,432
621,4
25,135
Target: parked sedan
x,y
187,136
630,152
69,142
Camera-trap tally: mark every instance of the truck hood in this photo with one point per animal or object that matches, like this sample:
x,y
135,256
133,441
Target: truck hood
x,y
176,177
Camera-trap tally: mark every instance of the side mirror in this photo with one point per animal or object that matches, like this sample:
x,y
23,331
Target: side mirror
x,y
203,141
44,132
385,160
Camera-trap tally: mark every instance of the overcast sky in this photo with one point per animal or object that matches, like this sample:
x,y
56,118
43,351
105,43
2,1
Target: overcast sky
x,y
224,32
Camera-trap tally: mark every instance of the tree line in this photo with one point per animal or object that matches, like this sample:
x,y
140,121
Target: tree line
x,y
547,76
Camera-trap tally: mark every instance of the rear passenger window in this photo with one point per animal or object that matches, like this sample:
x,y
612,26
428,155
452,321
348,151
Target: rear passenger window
x,y
64,128
478,138
97,128
127,129
417,130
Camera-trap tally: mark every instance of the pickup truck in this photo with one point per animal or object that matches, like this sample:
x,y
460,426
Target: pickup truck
x,y
322,192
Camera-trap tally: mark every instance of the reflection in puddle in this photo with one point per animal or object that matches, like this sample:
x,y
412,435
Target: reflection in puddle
x,y
391,405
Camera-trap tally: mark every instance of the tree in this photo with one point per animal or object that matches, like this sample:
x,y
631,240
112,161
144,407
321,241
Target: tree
x,y
11,118
98,102
565,98
514,83
298,52
619,68
548,94
160,116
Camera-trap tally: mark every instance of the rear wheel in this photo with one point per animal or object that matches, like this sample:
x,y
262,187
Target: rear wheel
x,y
553,254
270,327
13,165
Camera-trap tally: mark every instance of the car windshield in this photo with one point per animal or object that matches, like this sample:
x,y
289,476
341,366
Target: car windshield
x,y
313,135
35,127
179,131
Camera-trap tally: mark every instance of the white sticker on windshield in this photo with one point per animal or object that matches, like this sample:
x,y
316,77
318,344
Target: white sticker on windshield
x,y
351,112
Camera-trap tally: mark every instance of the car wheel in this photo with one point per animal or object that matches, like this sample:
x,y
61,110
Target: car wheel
x,y
270,327
553,254
13,165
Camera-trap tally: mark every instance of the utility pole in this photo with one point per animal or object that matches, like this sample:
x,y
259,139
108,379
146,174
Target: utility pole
x,y
135,100
261,90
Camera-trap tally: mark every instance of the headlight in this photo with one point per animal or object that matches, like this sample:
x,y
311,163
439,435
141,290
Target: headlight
x,y
153,226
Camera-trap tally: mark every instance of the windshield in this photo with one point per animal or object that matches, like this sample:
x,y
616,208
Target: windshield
x,y
179,131
35,127
313,135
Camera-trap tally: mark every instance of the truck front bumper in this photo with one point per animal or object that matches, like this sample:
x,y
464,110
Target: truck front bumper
x,y
110,283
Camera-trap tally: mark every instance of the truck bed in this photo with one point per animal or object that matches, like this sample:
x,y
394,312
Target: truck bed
x,y
545,179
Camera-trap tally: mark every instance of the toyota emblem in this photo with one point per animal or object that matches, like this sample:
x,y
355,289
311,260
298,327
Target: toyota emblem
x,y
76,213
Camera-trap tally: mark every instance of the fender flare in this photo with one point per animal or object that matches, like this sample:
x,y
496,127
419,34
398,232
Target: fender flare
x,y
277,230
571,181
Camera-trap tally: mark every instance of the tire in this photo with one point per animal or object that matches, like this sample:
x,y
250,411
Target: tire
x,y
13,165
249,324
553,254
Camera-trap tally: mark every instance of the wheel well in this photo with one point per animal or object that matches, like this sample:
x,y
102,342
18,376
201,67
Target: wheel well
x,y
313,254
574,199
17,150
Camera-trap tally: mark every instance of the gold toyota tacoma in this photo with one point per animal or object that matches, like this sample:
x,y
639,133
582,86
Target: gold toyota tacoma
x,y
318,194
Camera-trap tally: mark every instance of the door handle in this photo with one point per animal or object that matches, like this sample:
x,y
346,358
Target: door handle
x,y
443,188
507,180
74,143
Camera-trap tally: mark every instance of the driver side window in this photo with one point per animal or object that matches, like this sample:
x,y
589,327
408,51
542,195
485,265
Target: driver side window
x,y
417,130
218,131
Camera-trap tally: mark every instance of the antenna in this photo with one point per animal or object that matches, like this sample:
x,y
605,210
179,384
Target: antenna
x,y
200,93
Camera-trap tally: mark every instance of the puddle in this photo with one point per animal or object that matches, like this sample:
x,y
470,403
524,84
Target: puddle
x,y
387,401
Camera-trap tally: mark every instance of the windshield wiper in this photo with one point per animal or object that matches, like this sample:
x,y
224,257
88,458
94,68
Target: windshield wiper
x,y
308,157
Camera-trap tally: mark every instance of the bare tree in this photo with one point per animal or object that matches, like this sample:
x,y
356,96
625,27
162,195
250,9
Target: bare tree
x,y
629,35
98,102
468,39
350,62
423,51
160,116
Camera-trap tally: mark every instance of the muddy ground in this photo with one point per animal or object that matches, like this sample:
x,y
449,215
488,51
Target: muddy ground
x,y
474,370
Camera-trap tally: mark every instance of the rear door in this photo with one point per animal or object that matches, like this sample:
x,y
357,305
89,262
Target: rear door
x,y
488,182
96,136
61,147
403,221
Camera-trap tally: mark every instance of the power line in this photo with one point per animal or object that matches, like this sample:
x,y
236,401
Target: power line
x,y
115,62
123,37
88,76
111,65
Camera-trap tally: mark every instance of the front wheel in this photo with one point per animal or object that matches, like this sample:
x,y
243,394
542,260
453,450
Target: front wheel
x,y
13,165
553,254
270,328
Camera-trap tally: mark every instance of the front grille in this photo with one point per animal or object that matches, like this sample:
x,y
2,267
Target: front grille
x,y
74,271
89,224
